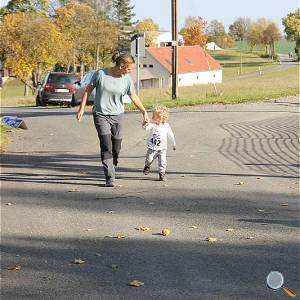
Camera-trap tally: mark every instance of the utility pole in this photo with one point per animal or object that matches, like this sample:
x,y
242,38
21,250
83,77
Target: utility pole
x,y
174,51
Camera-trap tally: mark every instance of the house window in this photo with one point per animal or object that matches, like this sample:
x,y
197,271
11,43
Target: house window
x,y
144,66
150,66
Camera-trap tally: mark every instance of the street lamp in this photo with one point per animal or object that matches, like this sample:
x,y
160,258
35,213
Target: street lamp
x,y
138,46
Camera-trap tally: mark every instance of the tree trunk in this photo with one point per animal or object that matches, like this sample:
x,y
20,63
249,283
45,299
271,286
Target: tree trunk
x,y
25,90
81,69
97,56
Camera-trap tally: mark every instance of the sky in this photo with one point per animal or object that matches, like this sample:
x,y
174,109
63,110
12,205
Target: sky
x,y
225,11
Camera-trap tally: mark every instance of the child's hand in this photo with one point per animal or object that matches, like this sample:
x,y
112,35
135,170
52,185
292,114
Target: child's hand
x,y
174,147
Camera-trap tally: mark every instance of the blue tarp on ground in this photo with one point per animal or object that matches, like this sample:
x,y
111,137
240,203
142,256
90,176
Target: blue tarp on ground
x,y
13,121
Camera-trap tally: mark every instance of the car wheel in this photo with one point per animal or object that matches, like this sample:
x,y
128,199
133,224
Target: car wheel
x,y
73,102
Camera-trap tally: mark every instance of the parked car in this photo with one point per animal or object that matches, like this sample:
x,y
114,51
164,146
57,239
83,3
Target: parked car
x,y
81,86
56,87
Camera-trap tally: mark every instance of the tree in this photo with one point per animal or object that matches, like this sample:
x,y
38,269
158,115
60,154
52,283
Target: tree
x,y
30,45
239,29
271,36
291,22
216,33
255,35
122,15
151,31
77,23
194,32
215,28
14,6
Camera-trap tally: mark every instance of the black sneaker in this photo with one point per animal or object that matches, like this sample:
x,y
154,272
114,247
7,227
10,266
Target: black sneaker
x,y
162,177
146,170
109,182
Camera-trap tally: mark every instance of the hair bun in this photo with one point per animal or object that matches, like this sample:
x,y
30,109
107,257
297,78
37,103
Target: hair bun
x,y
115,56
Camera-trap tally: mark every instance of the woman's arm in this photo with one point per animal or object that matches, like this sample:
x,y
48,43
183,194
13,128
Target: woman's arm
x,y
138,103
86,95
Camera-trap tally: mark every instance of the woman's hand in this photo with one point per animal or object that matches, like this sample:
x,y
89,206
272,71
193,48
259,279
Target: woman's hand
x,y
79,115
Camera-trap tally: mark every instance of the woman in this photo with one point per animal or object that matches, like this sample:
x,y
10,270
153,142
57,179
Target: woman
x,y
111,84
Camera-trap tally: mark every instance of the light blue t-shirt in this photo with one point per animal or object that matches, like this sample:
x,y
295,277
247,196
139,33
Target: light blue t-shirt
x,y
110,92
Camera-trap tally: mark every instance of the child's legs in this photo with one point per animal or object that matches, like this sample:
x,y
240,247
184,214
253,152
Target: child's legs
x,y
150,156
162,161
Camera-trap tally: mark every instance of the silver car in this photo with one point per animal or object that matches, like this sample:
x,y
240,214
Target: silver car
x,y
82,84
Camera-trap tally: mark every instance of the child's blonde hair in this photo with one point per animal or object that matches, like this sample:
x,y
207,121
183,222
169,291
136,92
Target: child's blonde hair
x,y
162,111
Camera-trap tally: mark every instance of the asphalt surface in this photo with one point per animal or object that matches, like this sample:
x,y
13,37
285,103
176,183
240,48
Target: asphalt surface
x,y
235,167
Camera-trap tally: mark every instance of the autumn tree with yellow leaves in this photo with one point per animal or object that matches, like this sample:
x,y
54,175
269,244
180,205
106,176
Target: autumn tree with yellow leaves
x,y
151,31
30,45
194,31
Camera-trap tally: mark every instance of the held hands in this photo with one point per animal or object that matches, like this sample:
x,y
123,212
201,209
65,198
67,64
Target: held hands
x,y
146,119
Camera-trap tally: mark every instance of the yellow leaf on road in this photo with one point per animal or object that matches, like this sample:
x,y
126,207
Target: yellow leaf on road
x,y
78,261
14,268
211,239
136,283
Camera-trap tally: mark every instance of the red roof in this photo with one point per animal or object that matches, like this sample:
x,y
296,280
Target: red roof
x,y
190,59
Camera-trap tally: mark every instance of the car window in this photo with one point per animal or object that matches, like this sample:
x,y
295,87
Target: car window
x,y
61,78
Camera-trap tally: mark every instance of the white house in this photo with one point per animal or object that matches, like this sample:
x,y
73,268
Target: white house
x,y
164,38
195,66
212,46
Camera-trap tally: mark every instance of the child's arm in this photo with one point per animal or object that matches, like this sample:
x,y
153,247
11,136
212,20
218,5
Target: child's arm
x,y
171,136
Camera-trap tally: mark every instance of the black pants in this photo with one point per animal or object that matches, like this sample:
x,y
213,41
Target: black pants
x,y
110,134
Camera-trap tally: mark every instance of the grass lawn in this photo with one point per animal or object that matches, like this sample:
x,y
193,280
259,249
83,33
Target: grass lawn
x,y
263,87
3,136
12,94
235,62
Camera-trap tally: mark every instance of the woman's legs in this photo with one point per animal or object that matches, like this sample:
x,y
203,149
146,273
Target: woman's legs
x,y
109,130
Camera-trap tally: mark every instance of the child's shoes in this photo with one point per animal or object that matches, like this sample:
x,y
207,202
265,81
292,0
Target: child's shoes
x,y
162,177
146,170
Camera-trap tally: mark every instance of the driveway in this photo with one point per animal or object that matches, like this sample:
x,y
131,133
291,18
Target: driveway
x,y
235,167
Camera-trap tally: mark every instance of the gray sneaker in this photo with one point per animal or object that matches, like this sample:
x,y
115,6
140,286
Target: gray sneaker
x,y
162,177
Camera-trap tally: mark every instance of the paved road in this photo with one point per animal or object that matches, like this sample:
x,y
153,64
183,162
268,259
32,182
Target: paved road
x,y
47,226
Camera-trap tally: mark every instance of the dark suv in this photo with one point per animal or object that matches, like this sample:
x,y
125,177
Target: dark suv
x,y
56,87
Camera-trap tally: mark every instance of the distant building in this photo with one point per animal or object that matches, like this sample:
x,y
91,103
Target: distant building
x,y
212,46
164,39
195,66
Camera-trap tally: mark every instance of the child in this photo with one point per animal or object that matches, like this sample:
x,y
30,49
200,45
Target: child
x,y
160,131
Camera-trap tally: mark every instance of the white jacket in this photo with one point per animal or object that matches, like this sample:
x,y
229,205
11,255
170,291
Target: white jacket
x,y
159,135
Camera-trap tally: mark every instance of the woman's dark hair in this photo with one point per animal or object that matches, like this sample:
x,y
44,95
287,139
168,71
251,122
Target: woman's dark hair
x,y
122,59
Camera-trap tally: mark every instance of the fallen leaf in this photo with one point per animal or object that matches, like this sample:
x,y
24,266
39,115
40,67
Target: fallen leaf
x,y
195,227
74,190
182,175
143,228
284,204
8,204
259,178
241,183
83,172
78,261
289,292
165,185
211,239
136,283
114,267
89,229
14,268
151,203
250,237
110,212
165,232
229,229
115,236
260,210
98,254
